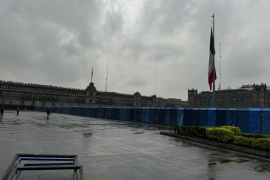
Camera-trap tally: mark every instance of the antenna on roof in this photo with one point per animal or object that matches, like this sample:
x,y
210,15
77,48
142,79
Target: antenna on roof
x,y
106,80
92,75
155,80
219,67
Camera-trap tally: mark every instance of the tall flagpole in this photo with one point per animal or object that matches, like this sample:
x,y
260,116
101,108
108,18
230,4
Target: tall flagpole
x,y
214,69
92,75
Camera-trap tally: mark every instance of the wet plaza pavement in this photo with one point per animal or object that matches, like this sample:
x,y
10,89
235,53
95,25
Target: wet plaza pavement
x,y
121,150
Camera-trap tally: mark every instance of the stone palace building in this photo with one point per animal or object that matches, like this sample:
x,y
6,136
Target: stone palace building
x,y
26,94
246,96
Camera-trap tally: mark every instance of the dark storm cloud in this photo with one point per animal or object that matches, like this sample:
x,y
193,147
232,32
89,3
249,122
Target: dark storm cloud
x,y
166,16
156,52
47,38
58,42
136,81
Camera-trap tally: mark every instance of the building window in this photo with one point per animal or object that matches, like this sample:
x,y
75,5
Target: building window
x,y
57,98
17,96
49,98
53,98
28,96
34,97
43,98
39,97
90,100
11,95
22,96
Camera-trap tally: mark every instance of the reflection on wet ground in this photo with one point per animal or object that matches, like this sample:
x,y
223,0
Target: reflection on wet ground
x,y
120,150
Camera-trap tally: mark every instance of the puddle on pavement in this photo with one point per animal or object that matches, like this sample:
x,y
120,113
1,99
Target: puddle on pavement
x,y
263,168
86,135
225,161
232,161
138,132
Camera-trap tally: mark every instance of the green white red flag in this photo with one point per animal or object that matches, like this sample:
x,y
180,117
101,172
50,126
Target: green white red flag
x,y
211,68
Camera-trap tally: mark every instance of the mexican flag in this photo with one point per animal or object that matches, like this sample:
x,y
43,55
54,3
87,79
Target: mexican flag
x,y
211,68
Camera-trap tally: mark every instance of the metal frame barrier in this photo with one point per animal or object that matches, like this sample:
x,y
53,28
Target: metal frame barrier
x,y
221,117
152,115
211,116
157,115
203,119
195,115
255,123
250,120
173,116
187,117
242,119
162,114
231,116
265,121
168,115
22,162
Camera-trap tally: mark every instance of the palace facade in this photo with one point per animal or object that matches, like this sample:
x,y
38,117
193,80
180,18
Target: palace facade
x,y
246,96
27,94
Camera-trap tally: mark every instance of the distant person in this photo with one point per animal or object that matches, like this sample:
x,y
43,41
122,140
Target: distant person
x,y
18,109
2,111
48,113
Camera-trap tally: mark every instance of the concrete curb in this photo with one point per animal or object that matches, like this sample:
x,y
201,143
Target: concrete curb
x,y
233,147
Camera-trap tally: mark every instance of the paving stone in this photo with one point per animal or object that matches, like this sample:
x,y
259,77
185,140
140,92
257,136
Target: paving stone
x,y
110,149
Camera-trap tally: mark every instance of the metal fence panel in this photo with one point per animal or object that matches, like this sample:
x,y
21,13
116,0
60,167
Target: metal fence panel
x,y
168,115
231,115
211,116
255,120
173,116
242,119
203,117
266,121
221,117
152,115
250,120
187,117
195,115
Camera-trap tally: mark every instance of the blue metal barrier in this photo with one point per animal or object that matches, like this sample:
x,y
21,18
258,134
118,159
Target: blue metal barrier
x,y
221,117
255,120
122,113
265,121
131,114
143,114
203,119
250,120
195,116
211,116
188,117
162,116
168,115
173,116
231,116
180,116
242,119
152,115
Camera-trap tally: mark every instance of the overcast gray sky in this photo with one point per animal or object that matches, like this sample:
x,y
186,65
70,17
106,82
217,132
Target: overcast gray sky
x,y
57,42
